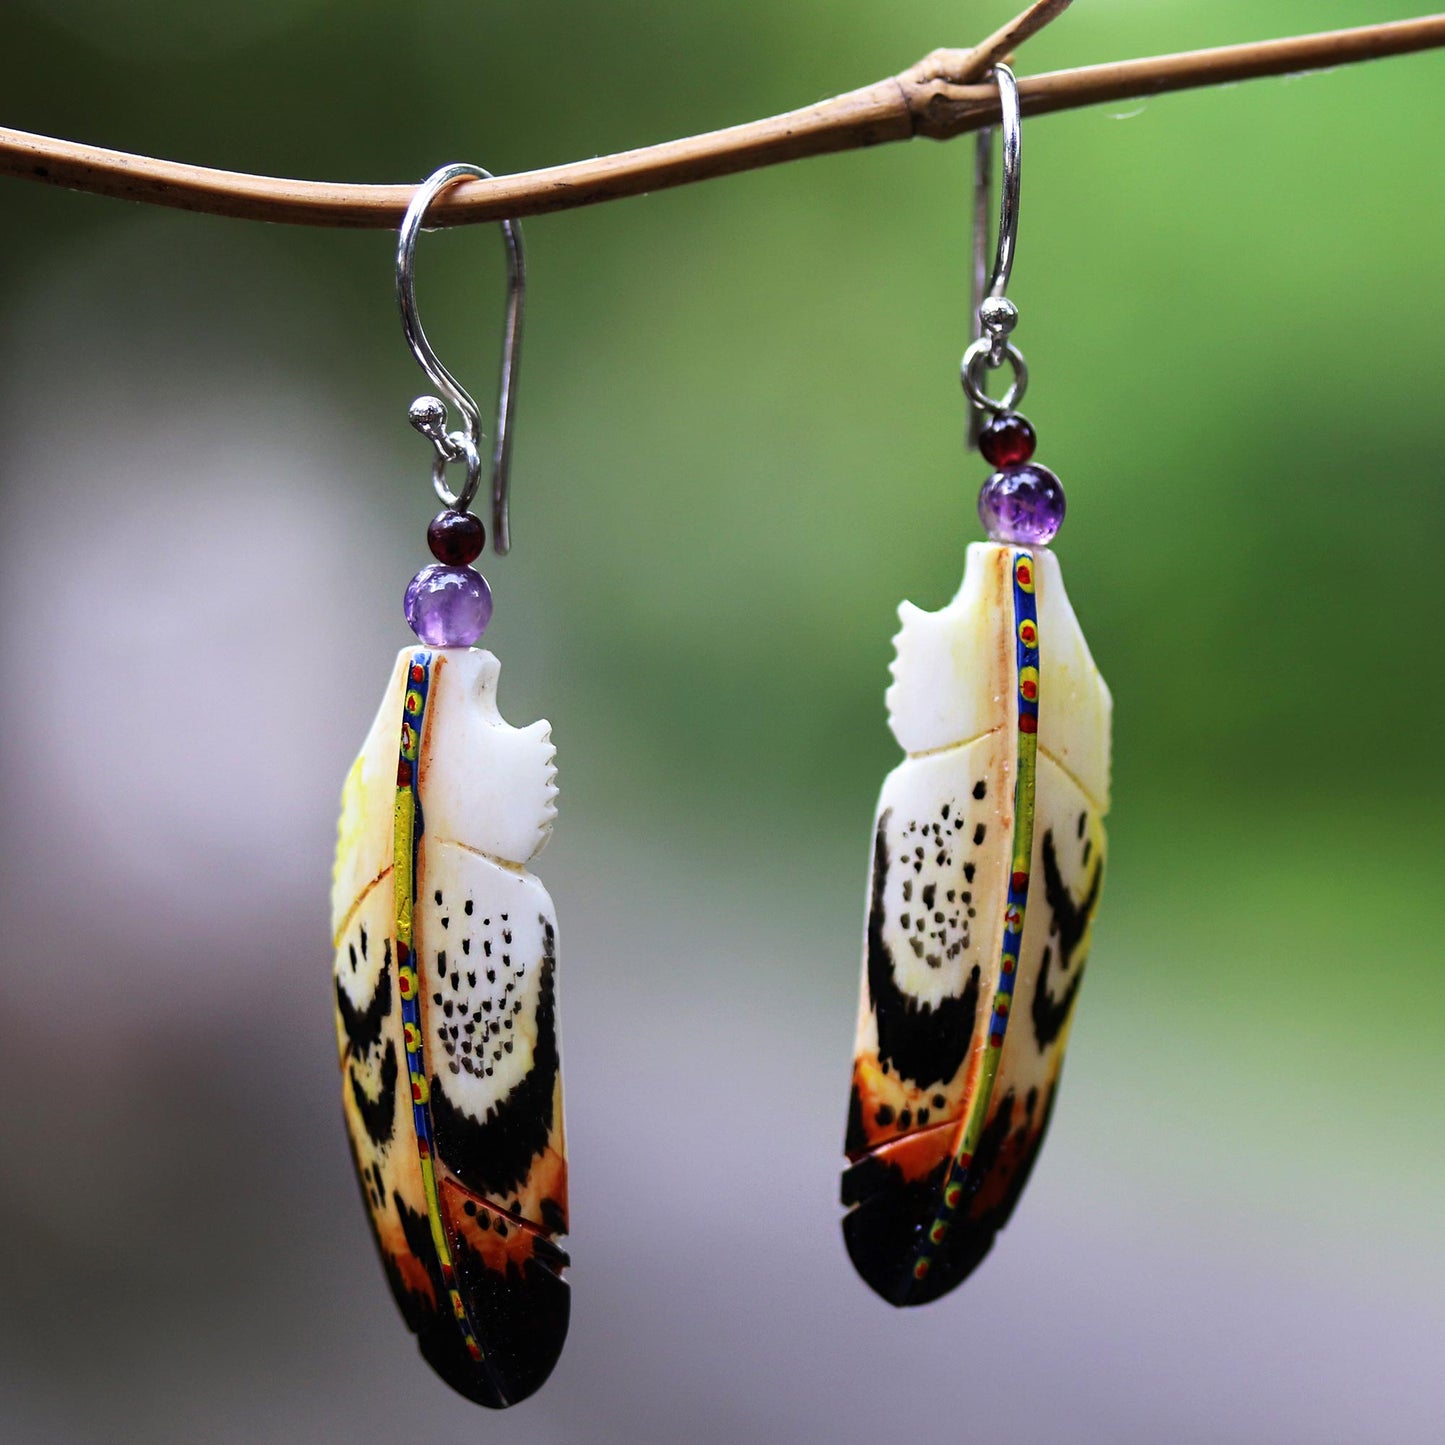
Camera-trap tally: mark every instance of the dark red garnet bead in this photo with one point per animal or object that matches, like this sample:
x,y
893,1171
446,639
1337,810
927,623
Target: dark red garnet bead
x,y
456,538
1007,440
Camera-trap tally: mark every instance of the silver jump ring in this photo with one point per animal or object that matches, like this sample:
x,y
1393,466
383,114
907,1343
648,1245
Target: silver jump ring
x,y
978,359
464,450
431,420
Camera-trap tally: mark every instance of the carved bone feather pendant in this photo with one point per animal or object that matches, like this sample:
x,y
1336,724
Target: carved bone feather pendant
x,y
988,856
446,1022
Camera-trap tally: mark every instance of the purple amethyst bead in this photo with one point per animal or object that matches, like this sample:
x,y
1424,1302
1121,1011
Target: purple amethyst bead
x,y
448,606
1023,504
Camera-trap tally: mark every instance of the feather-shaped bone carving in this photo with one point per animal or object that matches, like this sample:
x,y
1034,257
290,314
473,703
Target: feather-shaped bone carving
x,y
446,1022
988,855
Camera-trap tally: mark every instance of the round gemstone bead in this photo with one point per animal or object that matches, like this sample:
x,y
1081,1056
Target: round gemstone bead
x,y
1023,504
1007,440
457,538
448,606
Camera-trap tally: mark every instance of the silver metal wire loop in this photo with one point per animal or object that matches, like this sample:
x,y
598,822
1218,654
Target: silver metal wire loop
x,y
460,448
429,413
991,315
979,359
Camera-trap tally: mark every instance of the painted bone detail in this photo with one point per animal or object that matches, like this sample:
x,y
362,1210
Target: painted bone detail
x,y
988,857
445,980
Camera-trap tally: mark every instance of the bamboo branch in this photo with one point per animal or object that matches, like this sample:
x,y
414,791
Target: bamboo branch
x,y
933,99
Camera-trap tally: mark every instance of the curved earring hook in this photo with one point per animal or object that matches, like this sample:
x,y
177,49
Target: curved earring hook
x,y
991,347
428,414
1008,202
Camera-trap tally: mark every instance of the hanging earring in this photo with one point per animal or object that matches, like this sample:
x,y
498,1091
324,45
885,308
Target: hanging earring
x,y
446,945
988,853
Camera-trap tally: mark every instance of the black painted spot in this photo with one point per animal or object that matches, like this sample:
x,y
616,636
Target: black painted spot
x,y
855,1138
978,836
1070,921
378,1115
362,1027
467,907
980,788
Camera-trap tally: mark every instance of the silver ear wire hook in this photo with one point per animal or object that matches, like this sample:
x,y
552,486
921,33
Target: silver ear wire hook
x,y
991,312
428,413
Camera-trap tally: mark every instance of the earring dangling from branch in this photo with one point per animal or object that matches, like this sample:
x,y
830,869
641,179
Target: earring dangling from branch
x,y
446,945
988,852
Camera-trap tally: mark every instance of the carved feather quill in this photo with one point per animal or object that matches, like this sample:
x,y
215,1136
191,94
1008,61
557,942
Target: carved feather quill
x,y
988,857
446,1022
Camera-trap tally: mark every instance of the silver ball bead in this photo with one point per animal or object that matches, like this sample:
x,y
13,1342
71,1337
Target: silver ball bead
x,y
998,315
428,414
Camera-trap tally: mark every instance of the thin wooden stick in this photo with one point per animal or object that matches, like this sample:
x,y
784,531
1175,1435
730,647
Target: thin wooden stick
x,y
933,99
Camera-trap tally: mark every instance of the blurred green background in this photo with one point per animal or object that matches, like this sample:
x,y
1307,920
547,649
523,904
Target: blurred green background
x,y
739,445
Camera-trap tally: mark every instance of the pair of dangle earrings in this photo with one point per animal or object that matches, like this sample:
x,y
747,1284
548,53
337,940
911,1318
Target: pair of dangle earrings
x,y
446,946
987,859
